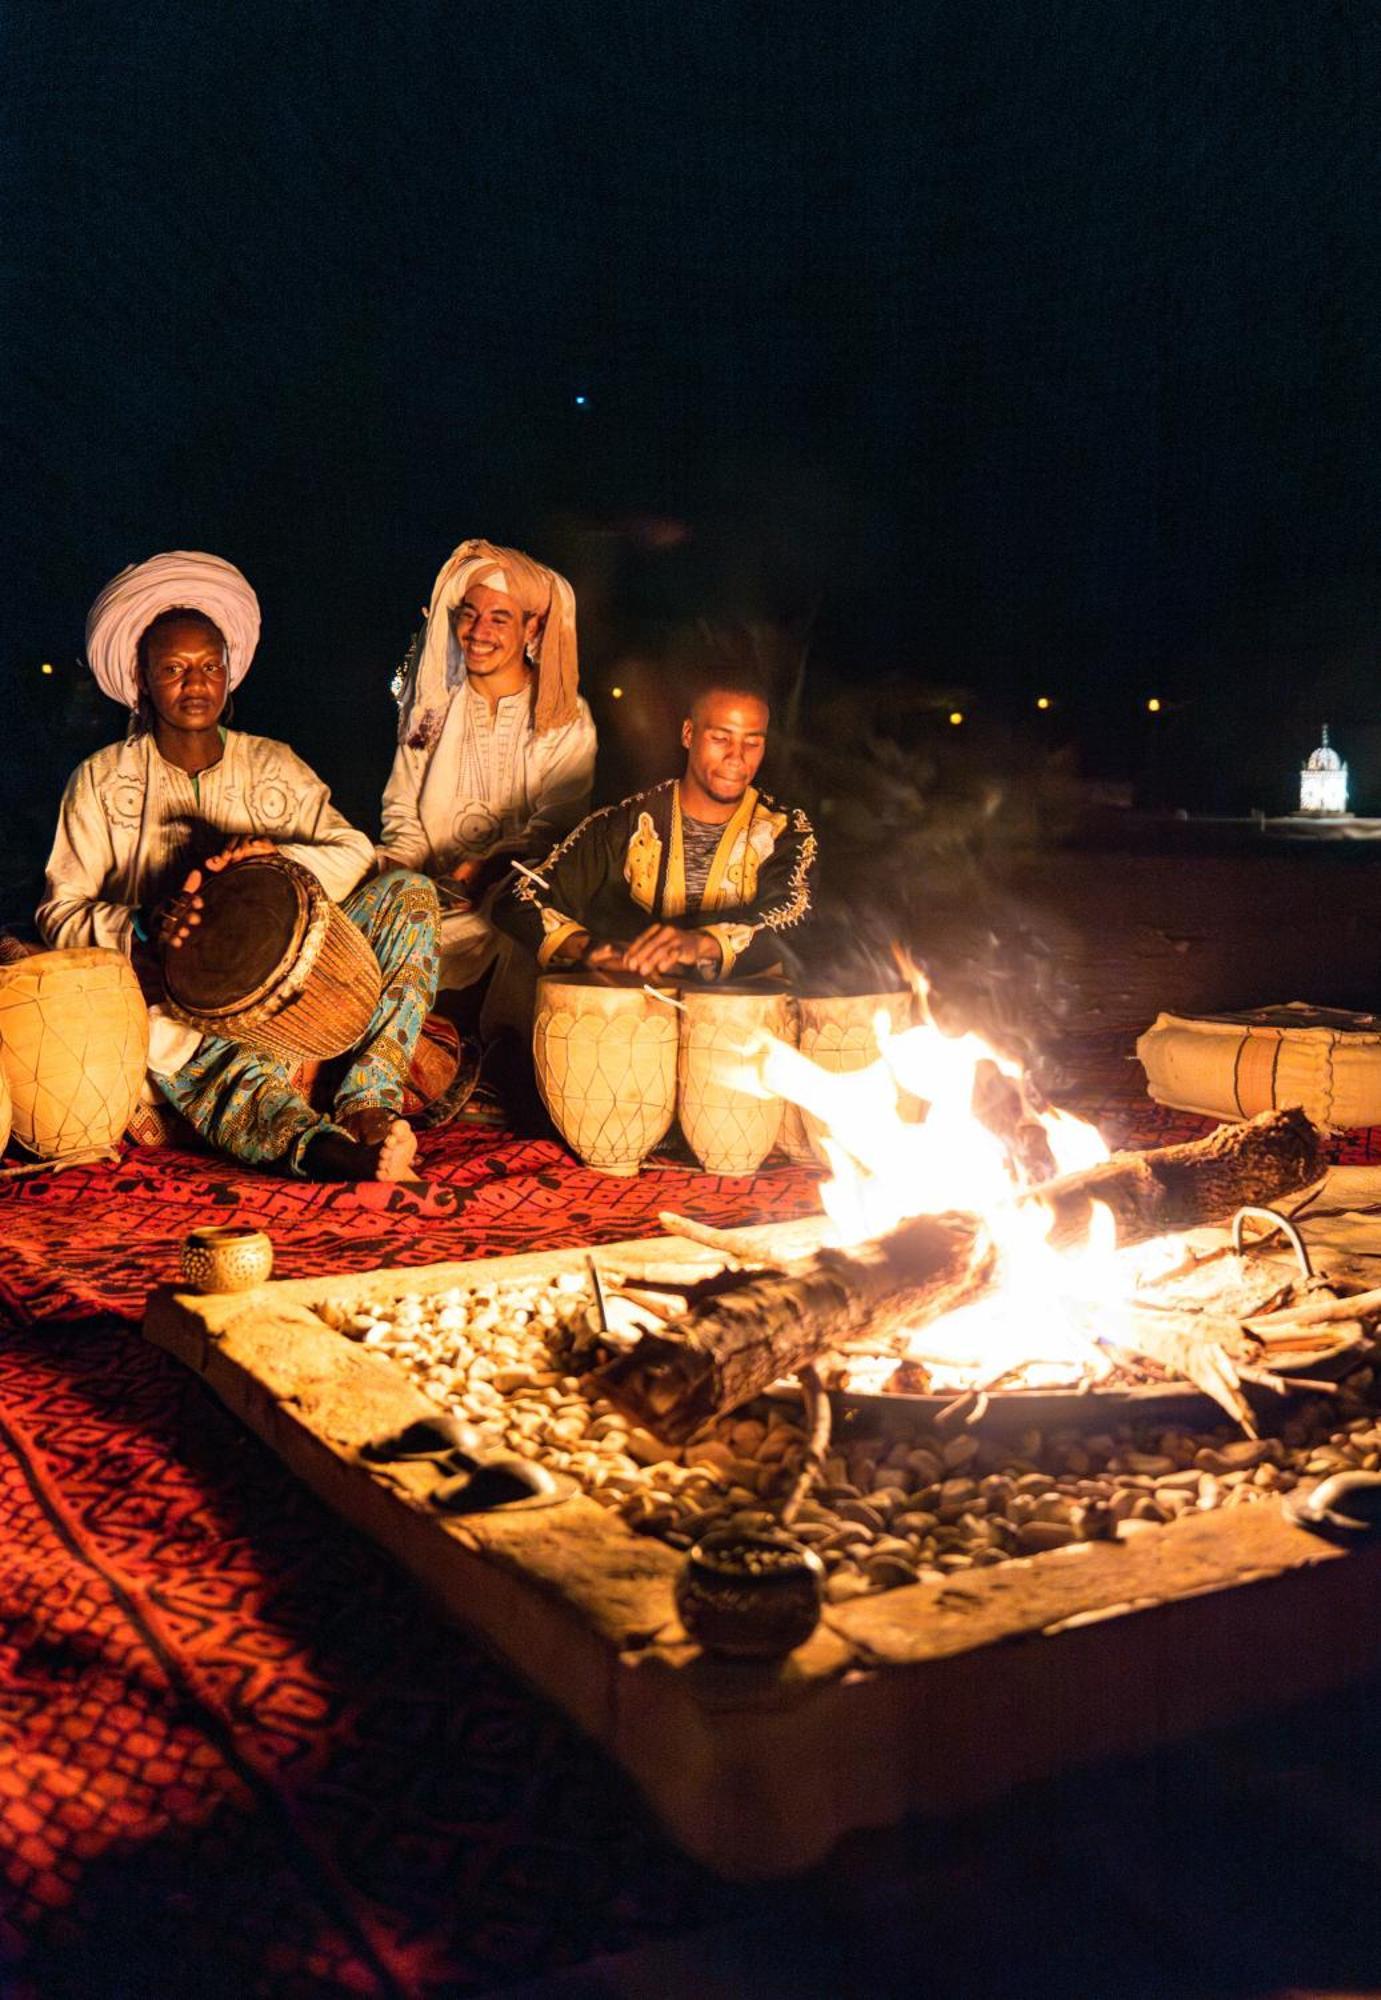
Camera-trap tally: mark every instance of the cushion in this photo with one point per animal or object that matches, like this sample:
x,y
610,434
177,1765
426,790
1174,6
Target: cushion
x,y
1234,1065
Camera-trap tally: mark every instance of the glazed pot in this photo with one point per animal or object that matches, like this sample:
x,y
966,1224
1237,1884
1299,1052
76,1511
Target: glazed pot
x,y
750,1596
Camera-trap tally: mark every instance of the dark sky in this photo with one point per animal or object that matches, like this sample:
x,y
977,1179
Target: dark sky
x,y
1038,341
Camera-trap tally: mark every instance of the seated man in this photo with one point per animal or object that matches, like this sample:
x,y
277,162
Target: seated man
x,y
719,868
496,750
170,639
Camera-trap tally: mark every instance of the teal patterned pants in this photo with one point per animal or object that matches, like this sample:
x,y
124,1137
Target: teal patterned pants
x,y
242,1101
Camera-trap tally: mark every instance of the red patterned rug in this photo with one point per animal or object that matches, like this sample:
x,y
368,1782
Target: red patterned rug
x,y
99,1238
238,1753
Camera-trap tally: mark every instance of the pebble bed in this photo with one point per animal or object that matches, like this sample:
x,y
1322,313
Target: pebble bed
x,y
509,1358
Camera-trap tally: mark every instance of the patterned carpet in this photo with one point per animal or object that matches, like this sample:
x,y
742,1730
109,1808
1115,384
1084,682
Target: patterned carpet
x,y
238,1753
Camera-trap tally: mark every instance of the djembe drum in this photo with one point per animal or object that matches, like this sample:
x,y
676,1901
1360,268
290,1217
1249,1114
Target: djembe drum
x,y
838,1031
605,1059
728,1125
274,964
74,1044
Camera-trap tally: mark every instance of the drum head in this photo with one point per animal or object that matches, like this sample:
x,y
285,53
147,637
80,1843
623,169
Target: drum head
x,y
252,918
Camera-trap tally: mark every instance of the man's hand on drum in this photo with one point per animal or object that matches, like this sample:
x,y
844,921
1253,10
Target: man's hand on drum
x,y
180,916
668,947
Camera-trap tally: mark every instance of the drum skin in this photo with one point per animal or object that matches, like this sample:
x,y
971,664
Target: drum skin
x,y
605,1059
274,964
729,1129
74,1044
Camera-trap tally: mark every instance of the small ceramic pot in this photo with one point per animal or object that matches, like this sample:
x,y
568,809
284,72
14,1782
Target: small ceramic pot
x,y
226,1258
750,1596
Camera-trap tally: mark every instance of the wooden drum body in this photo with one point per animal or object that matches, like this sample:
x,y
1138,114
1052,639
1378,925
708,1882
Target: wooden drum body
x,y
728,1128
74,1044
838,1032
605,1058
274,964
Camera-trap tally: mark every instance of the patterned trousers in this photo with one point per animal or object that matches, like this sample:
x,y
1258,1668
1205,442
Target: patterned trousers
x,y
243,1102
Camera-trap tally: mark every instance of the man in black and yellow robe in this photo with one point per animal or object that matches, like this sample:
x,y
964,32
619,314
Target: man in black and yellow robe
x,y
702,874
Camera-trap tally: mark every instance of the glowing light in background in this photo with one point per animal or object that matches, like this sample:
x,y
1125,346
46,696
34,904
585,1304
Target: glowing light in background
x,y
47,667
1043,701
1153,705
616,694
956,716
582,401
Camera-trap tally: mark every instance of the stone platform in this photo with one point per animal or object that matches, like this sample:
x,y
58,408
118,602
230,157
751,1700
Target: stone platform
x,y
929,1698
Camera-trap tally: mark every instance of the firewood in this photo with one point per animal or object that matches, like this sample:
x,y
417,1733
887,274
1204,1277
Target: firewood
x,y
727,1349
1195,1347
1009,1108
1173,1188
1315,1312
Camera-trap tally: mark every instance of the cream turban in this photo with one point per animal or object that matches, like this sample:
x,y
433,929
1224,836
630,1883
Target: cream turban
x,y
539,591
181,580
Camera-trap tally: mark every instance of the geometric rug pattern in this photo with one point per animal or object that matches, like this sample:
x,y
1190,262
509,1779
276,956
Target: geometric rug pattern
x,y
239,1753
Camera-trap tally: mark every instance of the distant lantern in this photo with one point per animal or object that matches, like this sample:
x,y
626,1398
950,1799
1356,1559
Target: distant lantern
x,y
956,716
1323,781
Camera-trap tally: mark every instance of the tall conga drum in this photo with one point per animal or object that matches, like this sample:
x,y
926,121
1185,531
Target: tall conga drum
x,y
274,964
838,1031
730,1128
74,1044
605,1059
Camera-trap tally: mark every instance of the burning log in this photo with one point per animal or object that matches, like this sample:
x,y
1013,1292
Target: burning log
x,y
728,1348
1174,1188
1008,1108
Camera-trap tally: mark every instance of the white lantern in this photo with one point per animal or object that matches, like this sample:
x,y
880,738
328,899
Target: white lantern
x,y
1323,781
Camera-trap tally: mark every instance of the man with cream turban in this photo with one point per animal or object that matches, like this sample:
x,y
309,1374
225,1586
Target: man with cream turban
x,y
170,639
496,748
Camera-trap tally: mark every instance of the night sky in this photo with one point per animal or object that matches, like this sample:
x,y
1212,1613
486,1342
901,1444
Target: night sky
x,y
1030,348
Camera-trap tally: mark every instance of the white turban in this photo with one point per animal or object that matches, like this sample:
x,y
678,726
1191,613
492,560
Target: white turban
x,y
540,592
181,580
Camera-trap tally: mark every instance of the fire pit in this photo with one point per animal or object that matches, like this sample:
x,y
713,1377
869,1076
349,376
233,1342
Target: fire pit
x,y
997,1601
973,1634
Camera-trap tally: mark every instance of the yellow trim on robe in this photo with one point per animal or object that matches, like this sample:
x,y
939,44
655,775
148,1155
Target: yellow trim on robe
x,y
733,941
641,862
720,892
552,943
674,888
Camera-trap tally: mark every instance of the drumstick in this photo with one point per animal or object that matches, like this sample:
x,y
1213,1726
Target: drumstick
x,y
532,875
744,1050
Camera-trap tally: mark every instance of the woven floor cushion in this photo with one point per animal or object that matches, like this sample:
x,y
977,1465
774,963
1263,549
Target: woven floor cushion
x,y
1234,1065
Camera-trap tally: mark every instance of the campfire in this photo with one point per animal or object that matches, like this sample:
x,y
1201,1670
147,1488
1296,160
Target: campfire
x,y
981,1242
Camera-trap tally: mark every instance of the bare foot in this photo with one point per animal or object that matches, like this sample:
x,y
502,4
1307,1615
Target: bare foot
x,y
383,1148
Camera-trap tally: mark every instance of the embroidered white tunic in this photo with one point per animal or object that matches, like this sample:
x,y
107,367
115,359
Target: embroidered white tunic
x,y
131,825
490,784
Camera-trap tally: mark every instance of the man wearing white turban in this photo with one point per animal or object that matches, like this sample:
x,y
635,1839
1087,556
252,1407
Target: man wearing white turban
x,y
496,748
169,639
